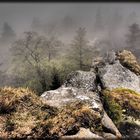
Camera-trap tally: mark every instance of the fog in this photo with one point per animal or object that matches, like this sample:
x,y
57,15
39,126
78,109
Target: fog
x,y
101,20
20,15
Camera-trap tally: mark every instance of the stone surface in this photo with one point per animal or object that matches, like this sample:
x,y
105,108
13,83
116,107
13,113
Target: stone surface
x,y
130,130
109,125
81,86
117,70
83,134
109,136
82,79
116,76
64,95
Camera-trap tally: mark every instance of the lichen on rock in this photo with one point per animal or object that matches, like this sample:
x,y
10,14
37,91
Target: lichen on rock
x,y
81,79
116,76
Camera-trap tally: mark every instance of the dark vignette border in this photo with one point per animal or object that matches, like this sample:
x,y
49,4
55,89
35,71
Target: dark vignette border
x,y
73,1
68,1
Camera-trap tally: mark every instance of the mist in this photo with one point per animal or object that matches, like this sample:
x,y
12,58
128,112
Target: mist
x,y
21,15
106,24
69,70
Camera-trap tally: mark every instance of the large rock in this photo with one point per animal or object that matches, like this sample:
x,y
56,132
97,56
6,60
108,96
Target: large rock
x,y
109,125
81,86
117,70
64,95
83,134
82,79
116,76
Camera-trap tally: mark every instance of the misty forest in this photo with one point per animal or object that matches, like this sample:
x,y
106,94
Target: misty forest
x,y
70,70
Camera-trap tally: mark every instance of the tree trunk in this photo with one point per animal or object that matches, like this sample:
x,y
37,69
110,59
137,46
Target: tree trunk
x,y
42,79
49,57
80,63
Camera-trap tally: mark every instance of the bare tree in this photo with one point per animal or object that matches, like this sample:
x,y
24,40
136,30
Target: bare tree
x,y
52,45
33,51
30,50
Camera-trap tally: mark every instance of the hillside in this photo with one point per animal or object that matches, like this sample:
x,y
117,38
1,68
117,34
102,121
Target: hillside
x,y
102,103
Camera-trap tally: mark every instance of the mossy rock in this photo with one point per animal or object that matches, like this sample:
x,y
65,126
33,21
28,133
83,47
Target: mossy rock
x,y
112,108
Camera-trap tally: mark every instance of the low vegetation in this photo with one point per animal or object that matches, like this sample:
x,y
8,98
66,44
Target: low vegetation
x,y
128,60
20,111
24,115
112,108
73,116
122,101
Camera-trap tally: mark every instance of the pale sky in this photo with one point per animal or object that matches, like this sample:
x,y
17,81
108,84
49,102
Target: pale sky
x,y
20,15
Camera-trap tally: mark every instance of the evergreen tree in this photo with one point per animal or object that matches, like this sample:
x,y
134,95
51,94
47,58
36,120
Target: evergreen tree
x,y
98,25
80,52
132,18
133,39
36,24
8,33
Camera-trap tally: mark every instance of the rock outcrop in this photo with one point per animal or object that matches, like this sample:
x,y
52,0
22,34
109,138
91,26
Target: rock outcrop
x,y
116,76
64,95
76,89
96,104
82,79
117,71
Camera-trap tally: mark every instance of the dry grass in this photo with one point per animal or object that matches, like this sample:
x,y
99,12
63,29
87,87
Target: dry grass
x,y
24,115
128,60
127,99
21,111
71,117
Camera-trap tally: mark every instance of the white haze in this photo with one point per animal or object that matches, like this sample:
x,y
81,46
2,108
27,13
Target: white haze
x,y
65,18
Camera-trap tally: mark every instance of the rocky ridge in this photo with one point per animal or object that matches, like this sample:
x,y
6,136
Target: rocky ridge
x,y
109,73
103,103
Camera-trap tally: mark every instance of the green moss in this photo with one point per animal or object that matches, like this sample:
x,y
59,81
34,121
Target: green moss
x,y
112,108
121,100
126,90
